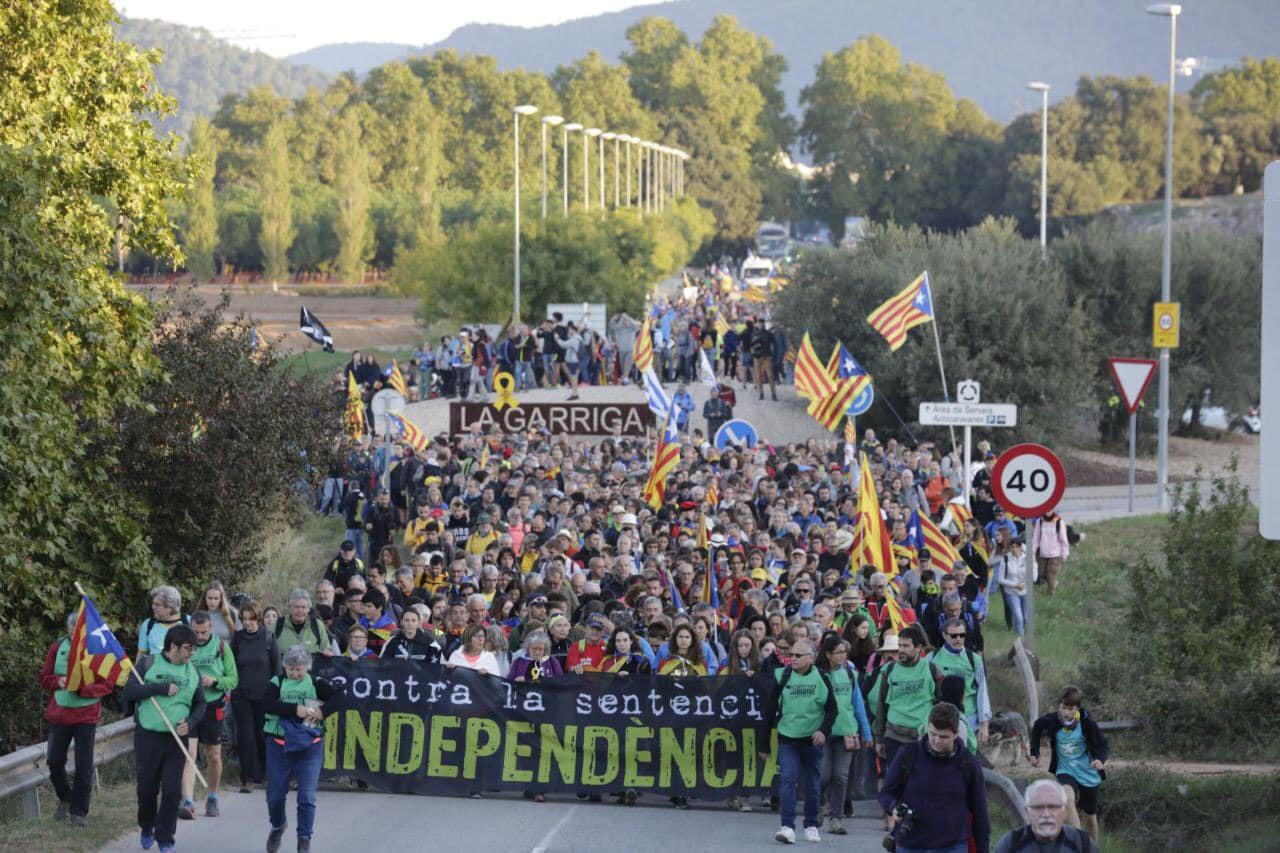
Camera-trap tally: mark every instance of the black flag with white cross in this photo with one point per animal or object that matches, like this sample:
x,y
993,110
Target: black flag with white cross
x,y
311,326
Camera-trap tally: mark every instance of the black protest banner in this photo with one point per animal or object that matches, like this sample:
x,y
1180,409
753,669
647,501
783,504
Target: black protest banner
x,y
428,729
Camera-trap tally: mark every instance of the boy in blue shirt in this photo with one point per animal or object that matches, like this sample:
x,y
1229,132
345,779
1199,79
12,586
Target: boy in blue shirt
x,y
1079,752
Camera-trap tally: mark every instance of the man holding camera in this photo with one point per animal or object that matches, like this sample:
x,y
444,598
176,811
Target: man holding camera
x,y
931,790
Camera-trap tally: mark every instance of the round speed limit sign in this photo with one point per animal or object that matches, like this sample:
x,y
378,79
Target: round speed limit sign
x,y
1028,480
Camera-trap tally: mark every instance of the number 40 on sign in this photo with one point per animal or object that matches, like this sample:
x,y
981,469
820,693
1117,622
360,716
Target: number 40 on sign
x,y
1028,480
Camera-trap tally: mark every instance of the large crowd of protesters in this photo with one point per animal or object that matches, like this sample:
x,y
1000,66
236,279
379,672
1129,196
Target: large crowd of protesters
x,y
530,556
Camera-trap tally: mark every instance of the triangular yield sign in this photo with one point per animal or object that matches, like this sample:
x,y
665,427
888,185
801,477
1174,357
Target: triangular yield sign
x,y
1132,376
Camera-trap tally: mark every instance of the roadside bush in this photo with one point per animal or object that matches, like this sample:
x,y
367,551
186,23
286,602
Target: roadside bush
x,y
1157,810
1196,659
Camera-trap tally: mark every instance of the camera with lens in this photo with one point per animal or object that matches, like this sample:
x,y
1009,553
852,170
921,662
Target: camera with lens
x,y
903,828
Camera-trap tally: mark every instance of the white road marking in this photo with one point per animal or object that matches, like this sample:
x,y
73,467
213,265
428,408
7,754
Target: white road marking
x,y
545,841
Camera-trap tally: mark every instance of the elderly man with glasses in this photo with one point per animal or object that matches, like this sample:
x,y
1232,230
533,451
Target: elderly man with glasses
x,y
1045,831
955,658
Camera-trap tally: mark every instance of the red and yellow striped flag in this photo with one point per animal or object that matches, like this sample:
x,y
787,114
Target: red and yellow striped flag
x,y
871,538
812,379
904,311
832,409
850,432
713,495
941,551
409,432
644,347
665,460
353,416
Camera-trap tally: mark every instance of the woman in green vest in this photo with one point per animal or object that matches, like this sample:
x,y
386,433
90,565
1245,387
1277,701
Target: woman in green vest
x,y
166,694
295,745
850,732
72,717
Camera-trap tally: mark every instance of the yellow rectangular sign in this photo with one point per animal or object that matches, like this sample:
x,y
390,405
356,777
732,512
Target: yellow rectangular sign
x,y
1165,326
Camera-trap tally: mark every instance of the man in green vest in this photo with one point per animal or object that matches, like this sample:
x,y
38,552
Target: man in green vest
x,y
803,709
72,717
218,677
905,693
168,690
954,658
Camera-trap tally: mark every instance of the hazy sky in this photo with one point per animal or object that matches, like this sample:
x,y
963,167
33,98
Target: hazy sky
x,y
282,27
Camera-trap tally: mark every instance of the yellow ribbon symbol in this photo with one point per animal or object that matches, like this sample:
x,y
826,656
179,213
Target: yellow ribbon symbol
x,y
505,384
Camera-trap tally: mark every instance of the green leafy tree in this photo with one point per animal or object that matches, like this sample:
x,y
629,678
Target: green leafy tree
x,y
76,342
222,443
875,122
1241,111
202,216
351,181
275,194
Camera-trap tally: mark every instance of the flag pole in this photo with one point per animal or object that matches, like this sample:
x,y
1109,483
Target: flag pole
x,y
182,746
937,340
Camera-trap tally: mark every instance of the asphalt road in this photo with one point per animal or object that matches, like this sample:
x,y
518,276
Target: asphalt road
x,y
503,823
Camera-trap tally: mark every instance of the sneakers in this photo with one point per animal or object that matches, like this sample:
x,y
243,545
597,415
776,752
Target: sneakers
x,y
680,802
304,845
187,811
246,789
744,805
211,807
168,848
273,838
811,834
785,835
78,820
63,810
629,797
836,827
147,839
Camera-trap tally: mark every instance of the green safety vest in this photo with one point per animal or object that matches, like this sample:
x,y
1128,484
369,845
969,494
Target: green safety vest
x,y
910,694
803,700
965,665
176,707
207,660
293,693
66,698
842,686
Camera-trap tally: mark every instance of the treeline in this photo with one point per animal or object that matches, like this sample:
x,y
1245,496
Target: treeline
x,y
1037,331
353,175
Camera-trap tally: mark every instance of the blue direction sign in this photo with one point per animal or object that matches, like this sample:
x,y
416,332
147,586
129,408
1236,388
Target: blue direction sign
x,y
736,432
863,401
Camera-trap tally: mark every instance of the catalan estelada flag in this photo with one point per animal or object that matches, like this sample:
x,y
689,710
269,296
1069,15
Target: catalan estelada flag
x,y
408,432
812,379
665,460
95,654
713,495
644,347
850,433
871,538
831,410
903,312
897,615
396,379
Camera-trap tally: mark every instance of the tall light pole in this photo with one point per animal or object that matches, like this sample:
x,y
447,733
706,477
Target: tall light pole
x,y
642,198
564,172
547,121
617,138
1043,89
523,110
1171,11
628,139
587,135
600,159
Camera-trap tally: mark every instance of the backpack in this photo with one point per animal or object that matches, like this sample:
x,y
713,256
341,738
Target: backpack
x,y
968,767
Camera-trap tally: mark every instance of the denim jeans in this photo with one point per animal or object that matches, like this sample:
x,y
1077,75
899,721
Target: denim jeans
x,y
548,369
798,764
524,376
356,535
1017,605
331,496
303,767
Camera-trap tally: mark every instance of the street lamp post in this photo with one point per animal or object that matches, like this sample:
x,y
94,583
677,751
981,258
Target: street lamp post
x,y
641,193
1043,89
564,171
1171,11
587,135
600,159
617,140
547,121
523,110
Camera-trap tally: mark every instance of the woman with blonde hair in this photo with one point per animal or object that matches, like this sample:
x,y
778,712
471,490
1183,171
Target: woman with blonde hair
x,y
214,601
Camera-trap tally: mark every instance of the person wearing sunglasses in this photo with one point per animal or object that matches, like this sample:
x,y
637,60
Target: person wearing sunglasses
x,y
955,658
